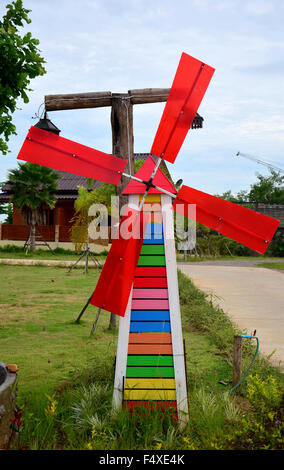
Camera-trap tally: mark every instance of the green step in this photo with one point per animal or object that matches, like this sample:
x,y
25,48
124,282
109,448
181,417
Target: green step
x,y
153,250
150,361
150,371
151,261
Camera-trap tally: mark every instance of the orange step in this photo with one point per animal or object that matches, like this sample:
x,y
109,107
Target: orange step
x,y
150,338
150,349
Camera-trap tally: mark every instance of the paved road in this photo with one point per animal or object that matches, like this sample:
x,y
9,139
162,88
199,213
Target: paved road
x,y
252,297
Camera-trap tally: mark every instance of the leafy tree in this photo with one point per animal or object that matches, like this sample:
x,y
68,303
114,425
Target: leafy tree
x,y
228,195
81,219
32,187
9,213
6,209
241,196
268,189
20,61
3,207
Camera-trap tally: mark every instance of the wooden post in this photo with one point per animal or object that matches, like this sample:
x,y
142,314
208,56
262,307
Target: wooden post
x,y
0,230
237,359
56,235
122,147
122,137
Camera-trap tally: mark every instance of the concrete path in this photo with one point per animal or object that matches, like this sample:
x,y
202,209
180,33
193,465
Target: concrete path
x,y
252,297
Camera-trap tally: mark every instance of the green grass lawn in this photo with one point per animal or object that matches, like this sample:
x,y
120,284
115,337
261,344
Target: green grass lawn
x,y
57,357
39,307
276,265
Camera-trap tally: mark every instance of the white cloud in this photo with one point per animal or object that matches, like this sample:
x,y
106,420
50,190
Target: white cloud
x,y
259,7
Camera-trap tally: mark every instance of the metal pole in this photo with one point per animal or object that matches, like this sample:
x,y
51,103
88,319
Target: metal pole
x,y
95,322
84,308
87,257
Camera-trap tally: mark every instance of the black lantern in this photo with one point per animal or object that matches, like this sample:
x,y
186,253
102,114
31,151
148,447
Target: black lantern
x,y
46,125
197,122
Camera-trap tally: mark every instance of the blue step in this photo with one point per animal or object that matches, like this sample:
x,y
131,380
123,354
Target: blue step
x,y
158,240
150,315
154,228
150,327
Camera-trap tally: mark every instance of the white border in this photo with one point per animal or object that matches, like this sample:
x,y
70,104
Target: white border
x,y
122,342
176,329
121,356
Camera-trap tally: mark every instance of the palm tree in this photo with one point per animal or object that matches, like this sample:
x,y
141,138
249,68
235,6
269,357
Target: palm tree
x,y
81,219
32,187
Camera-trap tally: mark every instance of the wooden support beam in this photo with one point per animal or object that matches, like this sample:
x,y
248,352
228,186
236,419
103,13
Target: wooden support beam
x,y
107,98
77,101
148,95
103,98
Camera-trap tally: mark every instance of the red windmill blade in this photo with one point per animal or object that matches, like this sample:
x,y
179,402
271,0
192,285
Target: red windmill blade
x,y
47,149
114,286
239,223
189,86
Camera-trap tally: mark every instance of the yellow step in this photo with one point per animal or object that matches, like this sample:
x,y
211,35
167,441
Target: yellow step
x,y
149,383
149,395
152,198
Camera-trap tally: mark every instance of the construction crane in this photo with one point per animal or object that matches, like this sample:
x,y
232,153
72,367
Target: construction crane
x,y
262,162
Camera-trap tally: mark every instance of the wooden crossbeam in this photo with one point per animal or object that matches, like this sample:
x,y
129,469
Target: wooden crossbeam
x,y
103,98
77,101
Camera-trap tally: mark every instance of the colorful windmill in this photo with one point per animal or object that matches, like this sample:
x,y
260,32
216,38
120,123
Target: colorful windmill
x,y
139,278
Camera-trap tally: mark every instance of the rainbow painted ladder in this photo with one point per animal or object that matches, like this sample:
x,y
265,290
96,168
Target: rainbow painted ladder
x,y
150,365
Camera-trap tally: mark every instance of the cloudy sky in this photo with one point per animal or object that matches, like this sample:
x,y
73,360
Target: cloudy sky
x,y
117,45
